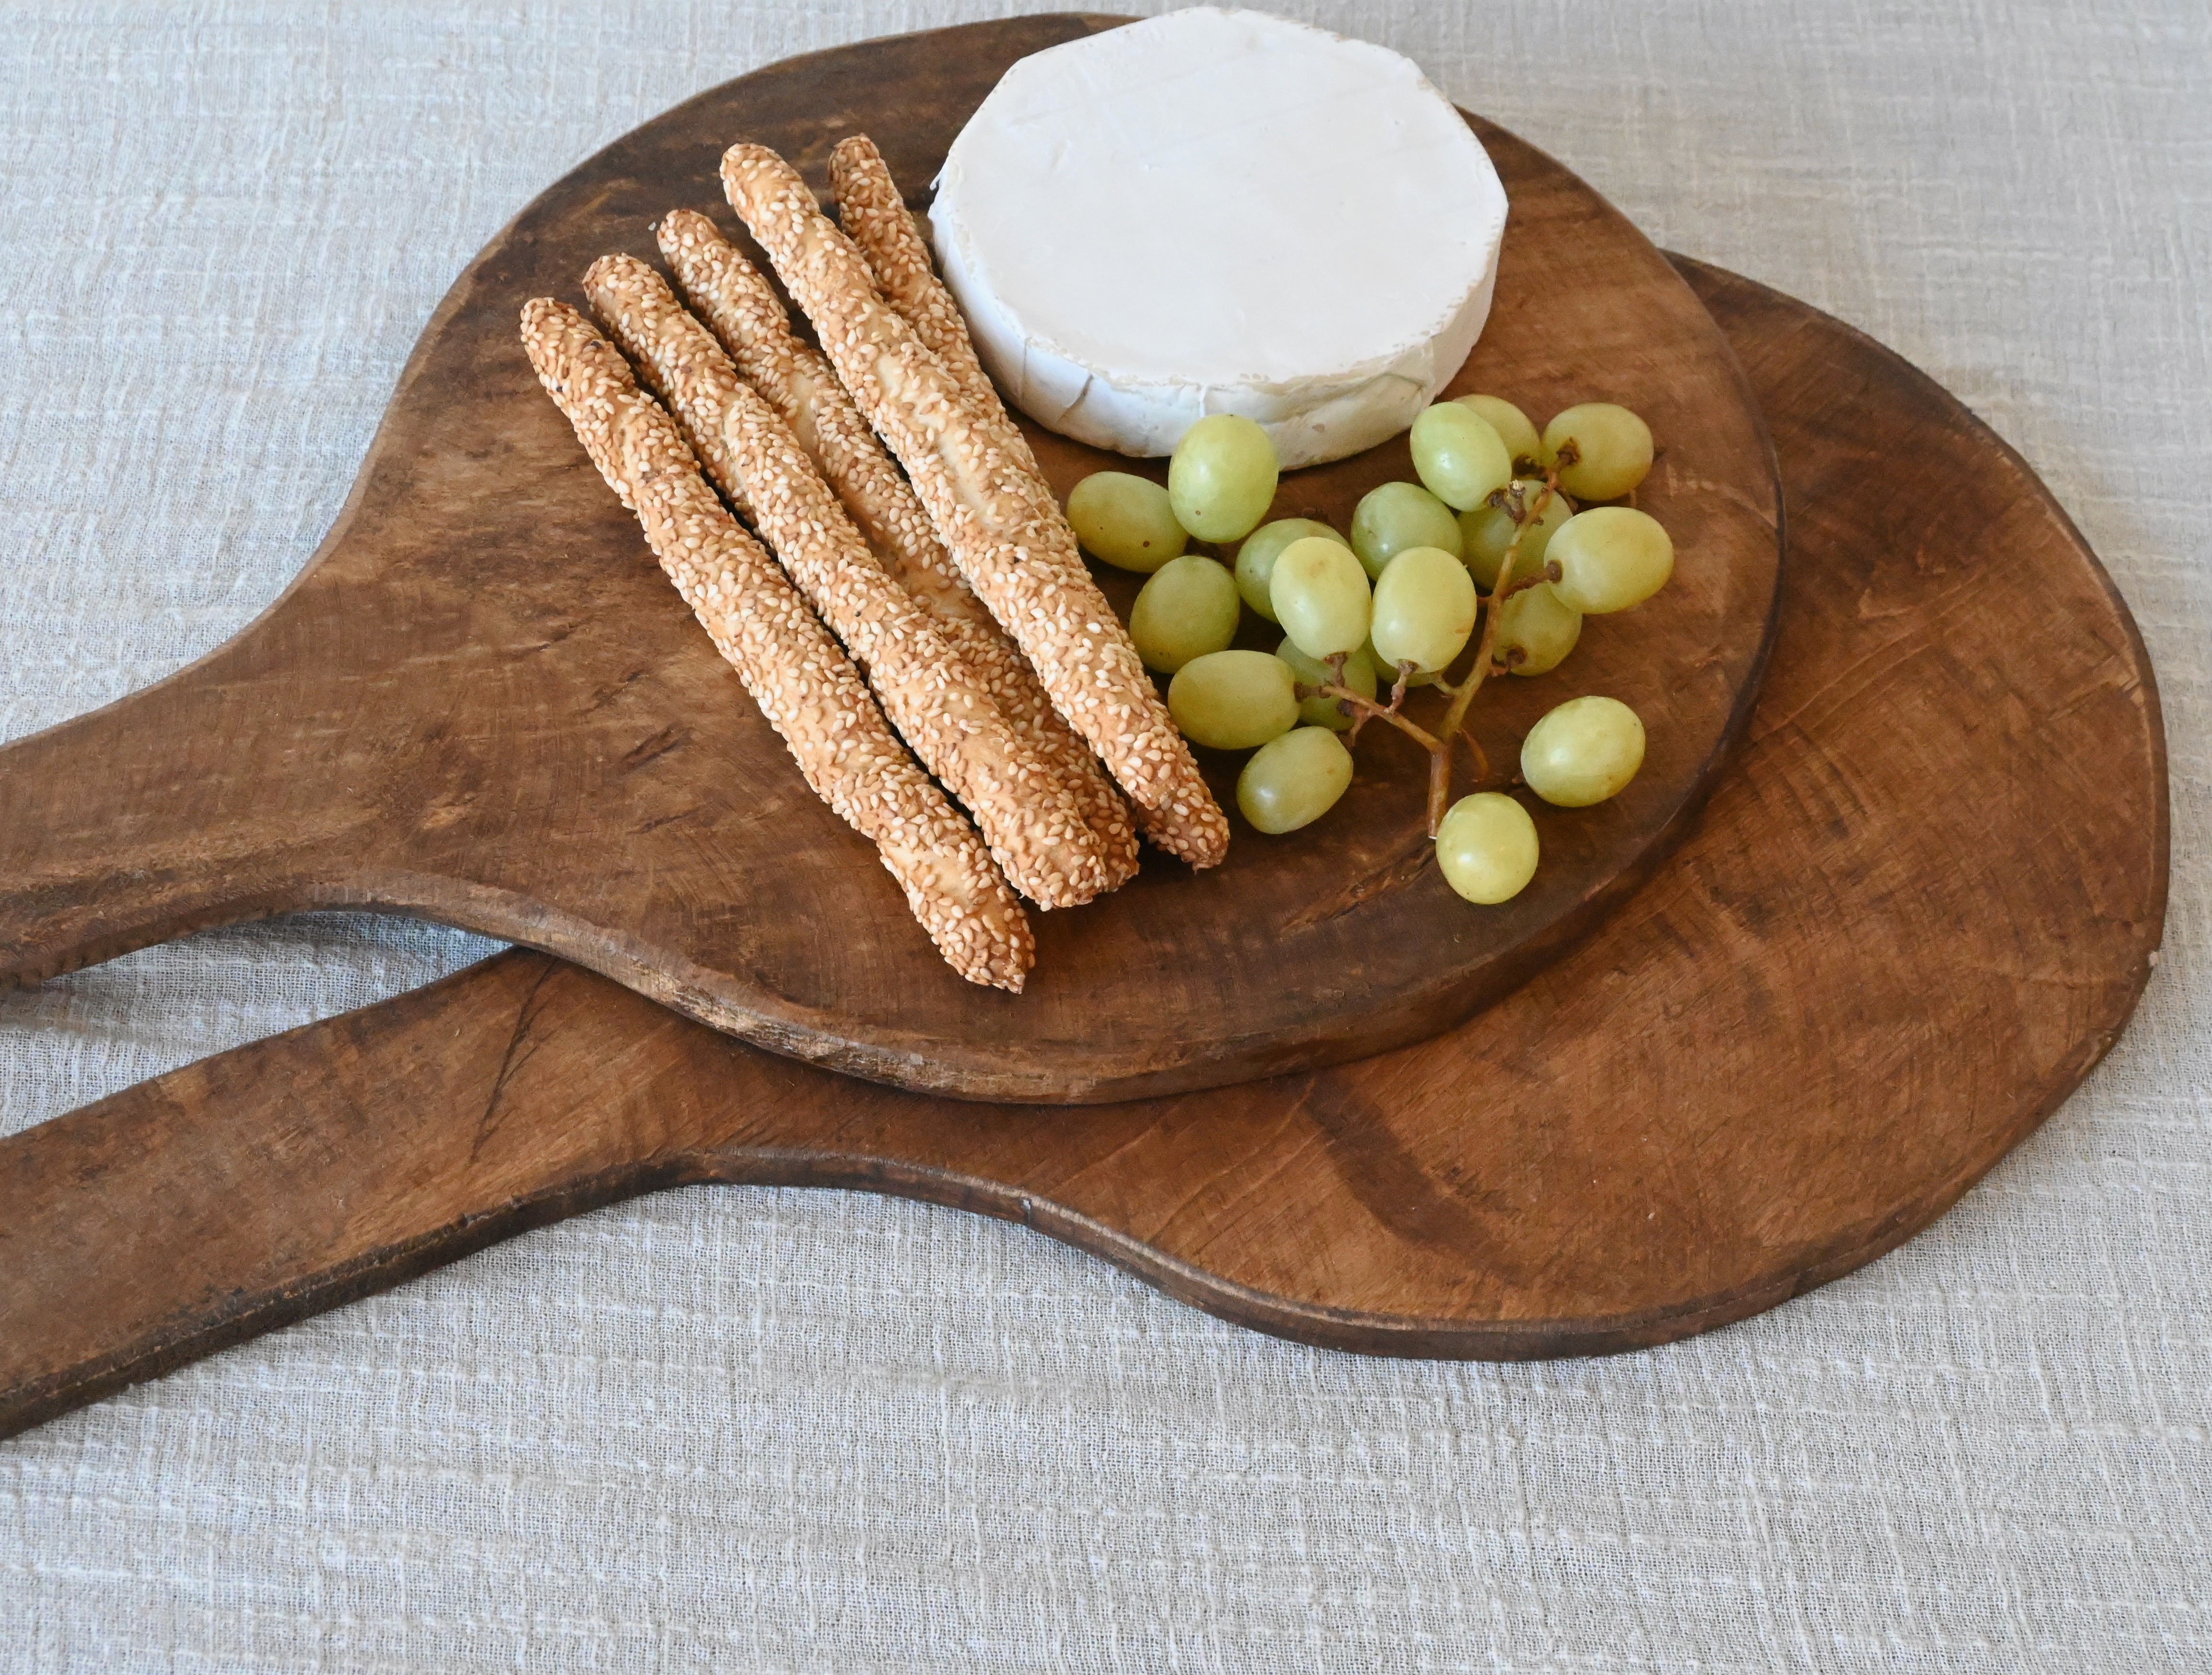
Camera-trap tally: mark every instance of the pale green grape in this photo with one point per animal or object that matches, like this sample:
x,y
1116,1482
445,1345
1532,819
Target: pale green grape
x,y
1187,609
1486,847
1255,559
1489,531
1294,780
1233,700
1458,455
1538,624
1126,520
1320,711
1320,595
1423,609
1222,477
1396,516
1615,446
1610,558
1514,428
1582,752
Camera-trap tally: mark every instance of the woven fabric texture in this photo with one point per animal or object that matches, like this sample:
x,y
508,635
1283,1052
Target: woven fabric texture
x,y
773,1430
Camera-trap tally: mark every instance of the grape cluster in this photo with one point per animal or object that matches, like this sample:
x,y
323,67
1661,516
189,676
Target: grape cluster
x,y
1393,606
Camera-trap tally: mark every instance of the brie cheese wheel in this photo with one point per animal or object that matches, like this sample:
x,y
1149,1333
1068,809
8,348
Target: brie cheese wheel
x,y
1218,211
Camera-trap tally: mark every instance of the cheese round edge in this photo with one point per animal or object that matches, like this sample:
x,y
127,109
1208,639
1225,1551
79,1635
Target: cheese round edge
x,y
1220,211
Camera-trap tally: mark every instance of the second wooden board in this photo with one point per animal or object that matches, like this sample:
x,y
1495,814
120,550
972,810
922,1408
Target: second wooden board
x,y
1842,1000
484,704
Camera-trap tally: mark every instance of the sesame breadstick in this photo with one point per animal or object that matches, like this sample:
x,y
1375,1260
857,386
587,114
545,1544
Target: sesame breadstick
x,y
1035,829
799,675
876,218
729,294
1018,557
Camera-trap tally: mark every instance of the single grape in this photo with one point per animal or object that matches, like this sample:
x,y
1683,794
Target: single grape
x,y
1321,597
1460,458
1514,428
1222,477
1396,516
1610,558
1186,609
1255,559
1292,781
1423,609
1320,711
1583,752
1126,520
1489,531
1538,626
1233,700
1614,446
1486,847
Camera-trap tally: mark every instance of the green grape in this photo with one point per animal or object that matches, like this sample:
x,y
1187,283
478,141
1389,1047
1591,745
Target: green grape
x,y
1222,477
1458,455
1126,520
1423,609
1233,700
1582,752
1320,711
1186,609
1514,427
1255,559
1610,558
1294,780
1486,847
1538,626
1489,531
1615,446
1396,516
1320,595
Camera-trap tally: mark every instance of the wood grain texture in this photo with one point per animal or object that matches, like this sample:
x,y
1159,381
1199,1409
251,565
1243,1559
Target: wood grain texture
x,y
483,703
1837,1005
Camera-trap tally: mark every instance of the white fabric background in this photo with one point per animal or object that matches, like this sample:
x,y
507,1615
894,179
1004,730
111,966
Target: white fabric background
x,y
799,1431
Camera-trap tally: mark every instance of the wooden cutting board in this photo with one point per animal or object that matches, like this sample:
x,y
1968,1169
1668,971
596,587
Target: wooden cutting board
x,y
483,703
1923,903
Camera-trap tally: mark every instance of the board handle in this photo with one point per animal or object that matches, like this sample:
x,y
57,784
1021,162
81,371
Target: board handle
x,y
197,802
283,1177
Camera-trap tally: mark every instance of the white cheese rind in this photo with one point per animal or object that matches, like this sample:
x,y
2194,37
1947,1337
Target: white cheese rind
x,y
1219,211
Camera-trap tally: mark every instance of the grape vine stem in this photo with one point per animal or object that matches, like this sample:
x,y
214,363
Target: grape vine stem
x,y
1366,709
1523,513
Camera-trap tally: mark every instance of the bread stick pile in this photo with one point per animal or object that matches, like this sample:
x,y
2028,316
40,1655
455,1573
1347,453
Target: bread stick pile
x,y
802,680
726,291
945,605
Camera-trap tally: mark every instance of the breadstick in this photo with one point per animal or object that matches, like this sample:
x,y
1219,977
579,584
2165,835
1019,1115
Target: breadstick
x,y
1020,558
876,218
799,675
1036,831
730,295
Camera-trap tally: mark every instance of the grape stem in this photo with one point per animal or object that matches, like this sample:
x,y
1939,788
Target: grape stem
x,y
1364,709
1551,572
1523,513
1515,501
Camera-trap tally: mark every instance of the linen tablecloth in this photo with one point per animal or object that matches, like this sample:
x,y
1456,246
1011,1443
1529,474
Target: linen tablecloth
x,y
782,1430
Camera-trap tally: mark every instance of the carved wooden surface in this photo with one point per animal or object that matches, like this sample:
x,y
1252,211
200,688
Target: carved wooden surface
x,y
483,703
1922,904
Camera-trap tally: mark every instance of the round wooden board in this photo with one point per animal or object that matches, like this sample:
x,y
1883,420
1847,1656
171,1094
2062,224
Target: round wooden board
x,y
1922,905
483,703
